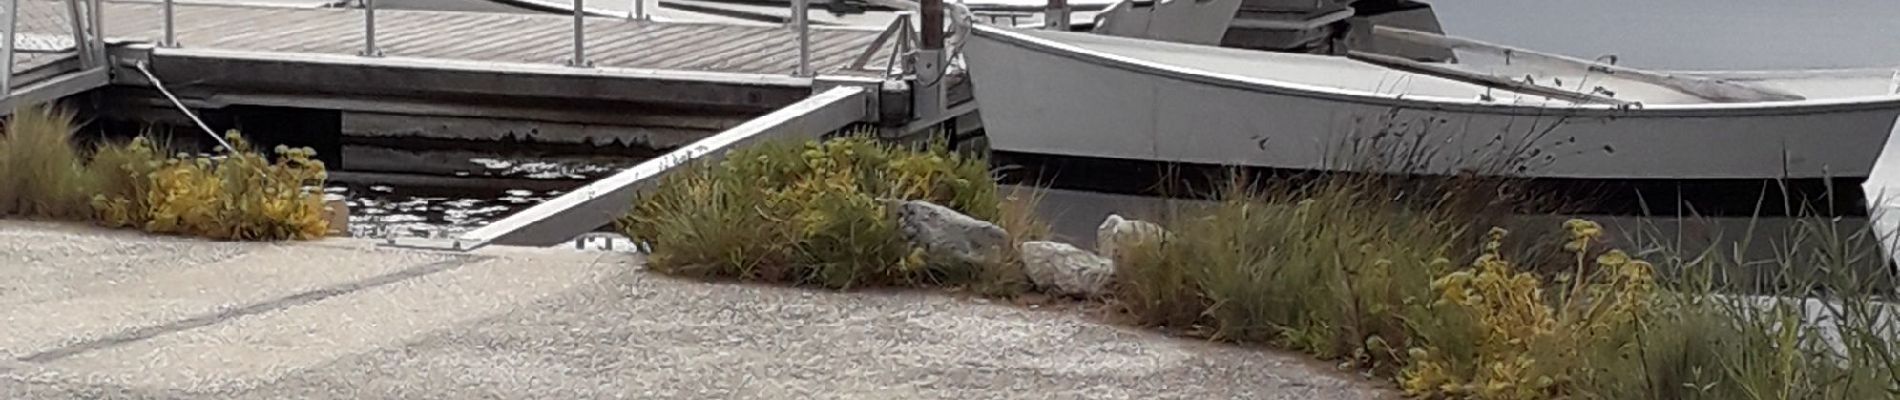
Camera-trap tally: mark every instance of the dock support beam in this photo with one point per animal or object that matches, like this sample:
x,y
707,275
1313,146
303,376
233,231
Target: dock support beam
x,y
928,66
604,201
1056,16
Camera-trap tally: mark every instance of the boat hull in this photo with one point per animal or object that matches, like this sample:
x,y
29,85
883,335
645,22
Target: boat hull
x,y
1041,100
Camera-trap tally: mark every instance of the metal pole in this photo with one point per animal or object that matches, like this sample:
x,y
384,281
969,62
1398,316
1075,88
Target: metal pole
x,y
802,22
1056,16
171,33
639,10
580,38
98,31
79,34
369,30
13,23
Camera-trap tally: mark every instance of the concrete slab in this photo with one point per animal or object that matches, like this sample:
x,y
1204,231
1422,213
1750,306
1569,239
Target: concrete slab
x,y
122,315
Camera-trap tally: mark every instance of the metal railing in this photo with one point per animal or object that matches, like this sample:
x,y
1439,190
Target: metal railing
x,y
800,26
38,33
902,35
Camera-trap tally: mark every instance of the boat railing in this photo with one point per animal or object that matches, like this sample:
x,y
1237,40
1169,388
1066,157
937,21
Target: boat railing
x,y
36,30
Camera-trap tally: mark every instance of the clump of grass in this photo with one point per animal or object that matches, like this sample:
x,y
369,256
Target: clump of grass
x,y
122,175
40,170
1016,214
810,213
238,194
1329,268
1827,332
1340,270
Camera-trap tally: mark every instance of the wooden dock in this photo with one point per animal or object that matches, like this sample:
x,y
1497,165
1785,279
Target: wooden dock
x,y
497,37
437,60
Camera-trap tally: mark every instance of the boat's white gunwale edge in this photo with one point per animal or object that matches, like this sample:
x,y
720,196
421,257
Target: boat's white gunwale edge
x,y
1057,48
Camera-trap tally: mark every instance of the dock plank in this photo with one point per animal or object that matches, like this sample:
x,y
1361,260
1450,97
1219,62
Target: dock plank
x,y
492,37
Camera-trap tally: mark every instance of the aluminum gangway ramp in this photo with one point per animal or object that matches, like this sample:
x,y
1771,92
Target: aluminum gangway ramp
x,y
601,202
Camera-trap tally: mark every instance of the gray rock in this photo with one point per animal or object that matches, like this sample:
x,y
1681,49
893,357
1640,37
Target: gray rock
x,y
1060,268
948,235
1117,233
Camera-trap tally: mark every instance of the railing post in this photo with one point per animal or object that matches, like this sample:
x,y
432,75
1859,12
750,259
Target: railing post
x,y
1056,16
6,49
580,37
80,45
639,10
369,30
801,21
171,32
98,31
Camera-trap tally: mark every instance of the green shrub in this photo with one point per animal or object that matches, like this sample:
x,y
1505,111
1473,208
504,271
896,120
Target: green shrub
x,y
122,175
809,213
236,195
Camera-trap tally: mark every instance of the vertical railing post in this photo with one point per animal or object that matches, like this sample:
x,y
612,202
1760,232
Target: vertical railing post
x,y
801,21
639,10
1055,17
580,36
369,30
6,49
98,26
77,16
171,31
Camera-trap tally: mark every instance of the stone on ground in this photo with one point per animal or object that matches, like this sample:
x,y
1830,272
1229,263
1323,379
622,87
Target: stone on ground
x,y
1117,234
1060,268
946,234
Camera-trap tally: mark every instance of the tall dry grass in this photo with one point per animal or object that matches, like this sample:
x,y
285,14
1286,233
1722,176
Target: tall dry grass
x,y
1413,290
41,171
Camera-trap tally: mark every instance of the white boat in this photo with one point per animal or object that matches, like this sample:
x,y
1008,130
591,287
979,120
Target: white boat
x,y
1098,96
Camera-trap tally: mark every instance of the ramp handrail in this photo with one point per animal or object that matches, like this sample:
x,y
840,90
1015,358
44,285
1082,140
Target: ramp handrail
x,y
47,26
600,202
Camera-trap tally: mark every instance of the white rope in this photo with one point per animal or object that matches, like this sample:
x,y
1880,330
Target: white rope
x,y
181,106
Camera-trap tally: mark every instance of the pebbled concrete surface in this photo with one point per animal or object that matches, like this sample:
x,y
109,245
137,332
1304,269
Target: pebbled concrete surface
x,y
90,313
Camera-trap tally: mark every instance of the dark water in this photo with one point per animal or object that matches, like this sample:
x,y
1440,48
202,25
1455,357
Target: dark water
x,y
413,192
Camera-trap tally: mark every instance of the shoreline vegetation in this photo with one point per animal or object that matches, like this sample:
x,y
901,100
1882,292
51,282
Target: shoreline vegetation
x,y
234,194
1412,283
1423,292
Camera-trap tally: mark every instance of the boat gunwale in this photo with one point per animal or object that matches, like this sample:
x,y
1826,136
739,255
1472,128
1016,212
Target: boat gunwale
x,y
1258,84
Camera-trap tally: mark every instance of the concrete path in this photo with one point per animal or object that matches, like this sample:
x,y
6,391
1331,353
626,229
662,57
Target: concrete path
x,y
92,313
